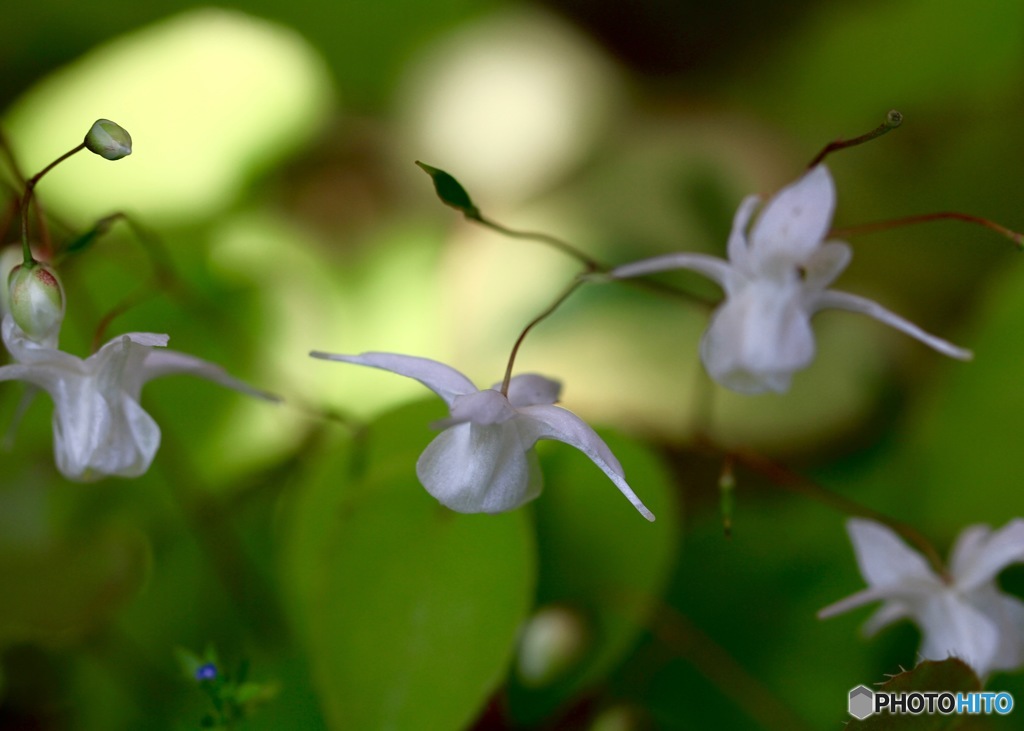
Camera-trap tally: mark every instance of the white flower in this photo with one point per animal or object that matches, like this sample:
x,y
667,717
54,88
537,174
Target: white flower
x,y
99,428
964,615
483,461
774,281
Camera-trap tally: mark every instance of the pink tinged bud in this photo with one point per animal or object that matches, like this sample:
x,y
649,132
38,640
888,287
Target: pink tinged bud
x,y
552,644
109,140
36,301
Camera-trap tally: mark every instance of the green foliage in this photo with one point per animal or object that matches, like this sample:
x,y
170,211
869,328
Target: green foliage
x,y
408,610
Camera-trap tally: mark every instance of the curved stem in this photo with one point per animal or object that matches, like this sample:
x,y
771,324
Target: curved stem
x,y
539,318
592,265
892,120
867,228
785,478
30,186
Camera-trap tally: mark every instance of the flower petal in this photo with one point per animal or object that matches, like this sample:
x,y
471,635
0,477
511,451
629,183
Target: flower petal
x,y
473,468
738,249
442,379
552,422
758,338
530,389
826,264
481,407
980,554
98,434
794,222
885,561
953,628
855,303
711,267
1008,614
858,599
159,363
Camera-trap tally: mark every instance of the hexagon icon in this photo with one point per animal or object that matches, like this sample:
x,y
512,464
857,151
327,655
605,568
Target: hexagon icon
x,y
862,702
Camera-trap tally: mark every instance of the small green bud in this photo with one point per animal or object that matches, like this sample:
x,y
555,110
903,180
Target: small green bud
x,y
450,191
552,643
109,140
37,301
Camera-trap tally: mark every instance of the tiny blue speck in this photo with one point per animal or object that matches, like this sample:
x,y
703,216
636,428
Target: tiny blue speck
x,y
206,672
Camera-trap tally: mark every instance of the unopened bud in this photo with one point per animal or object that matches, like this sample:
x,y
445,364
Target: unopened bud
x,y
109,140
553,641
36,301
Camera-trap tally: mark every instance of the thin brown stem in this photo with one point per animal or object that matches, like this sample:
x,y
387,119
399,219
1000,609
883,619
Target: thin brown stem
x,y
30,185
539,318
783,477
867,228
592,265
892,120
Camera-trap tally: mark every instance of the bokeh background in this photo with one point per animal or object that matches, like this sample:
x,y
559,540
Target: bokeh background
x,y
273,163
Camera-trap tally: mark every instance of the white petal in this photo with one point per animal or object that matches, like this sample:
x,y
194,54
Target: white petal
x,y
159,363
1008,614
738,249
794,222
480,469
442,379
481,407
530,389
888,613
854,303
97,433
826,264
758,338
858,599
884,559
552,422
979,554
711,267
28,352
952,628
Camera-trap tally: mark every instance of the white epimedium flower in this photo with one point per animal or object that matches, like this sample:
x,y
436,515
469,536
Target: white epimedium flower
x,y
776,278
483,461
99,428
962,615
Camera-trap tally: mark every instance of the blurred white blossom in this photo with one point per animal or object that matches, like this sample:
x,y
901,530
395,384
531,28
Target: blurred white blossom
x,y
775,280
483,461
99,428
962,615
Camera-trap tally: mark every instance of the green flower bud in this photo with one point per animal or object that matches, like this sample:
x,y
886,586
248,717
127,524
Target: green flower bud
x,y
552,643
37,301
109,140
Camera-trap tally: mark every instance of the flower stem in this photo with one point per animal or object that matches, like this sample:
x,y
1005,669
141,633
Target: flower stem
x,y
892,120
785,478
539,318
592,265
867,228
30,186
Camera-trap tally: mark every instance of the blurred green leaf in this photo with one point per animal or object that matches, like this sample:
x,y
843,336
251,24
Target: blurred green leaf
x,y
410,610
599,557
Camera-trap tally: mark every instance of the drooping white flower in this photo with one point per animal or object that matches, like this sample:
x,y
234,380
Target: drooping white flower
x,y
99,428
483,461
776,278
964,615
